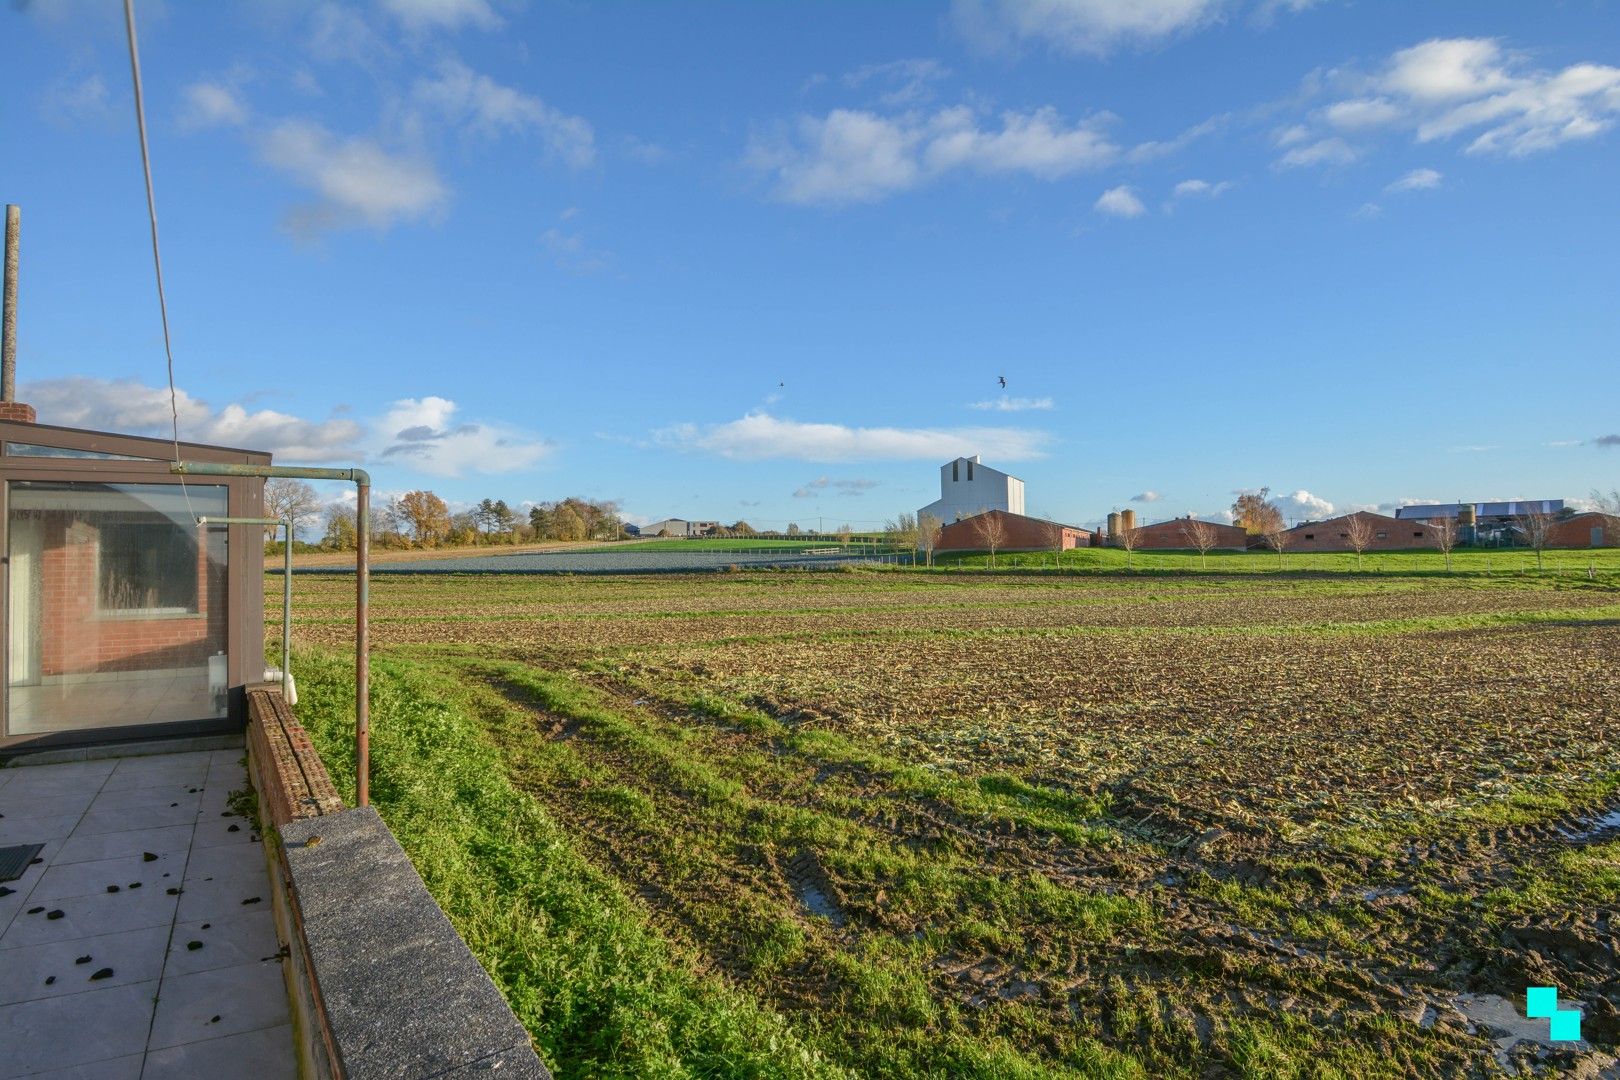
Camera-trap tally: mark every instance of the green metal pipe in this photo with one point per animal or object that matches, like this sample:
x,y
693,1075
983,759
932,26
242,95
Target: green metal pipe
x,y
362,589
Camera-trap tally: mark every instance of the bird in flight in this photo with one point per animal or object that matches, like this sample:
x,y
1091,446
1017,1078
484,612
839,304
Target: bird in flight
x,y
1003,380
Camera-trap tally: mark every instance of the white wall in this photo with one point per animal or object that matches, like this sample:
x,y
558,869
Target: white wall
x,y
990,489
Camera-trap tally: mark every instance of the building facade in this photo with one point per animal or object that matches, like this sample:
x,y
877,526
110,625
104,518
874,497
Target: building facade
x,y
1177,534
1591,530
1383,534
1016,533
968,487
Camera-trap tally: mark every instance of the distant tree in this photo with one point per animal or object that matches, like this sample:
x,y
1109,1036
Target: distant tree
x,y
341,534
742,528
1201,535
1278,540
494,520
1606,504
1256,514
464,529
1129,540
844,533
793,528
1445,537
901,531
928,532
1358,533
1537,531
285,497
991,528
568,524
426,515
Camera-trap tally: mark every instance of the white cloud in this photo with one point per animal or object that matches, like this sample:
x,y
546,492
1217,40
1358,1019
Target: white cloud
x,y
1449,87
1091,27
474,101
1119,201
69,101
129,407
813,489
1368,211
419,435
1188,189
1416,180
1330,151
420,16
1302,505
1013,404
760,435
210,104
357,180
853,155
422,434
1147,497
907,82
569,250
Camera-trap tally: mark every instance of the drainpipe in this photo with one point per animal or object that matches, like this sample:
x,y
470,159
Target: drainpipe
x,y
362,590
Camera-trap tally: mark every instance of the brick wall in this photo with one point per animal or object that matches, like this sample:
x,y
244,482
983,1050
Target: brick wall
x,y
1388,534
1020,533
77,638
1576,532
1173,534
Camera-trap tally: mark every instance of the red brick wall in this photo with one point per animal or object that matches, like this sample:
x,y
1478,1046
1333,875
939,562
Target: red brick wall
x,y
1576,532
1173,534
1020,534
1388,534
76,638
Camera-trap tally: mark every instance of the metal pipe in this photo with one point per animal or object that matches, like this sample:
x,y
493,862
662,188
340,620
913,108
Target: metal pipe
x,y
8,320
362,573
286,590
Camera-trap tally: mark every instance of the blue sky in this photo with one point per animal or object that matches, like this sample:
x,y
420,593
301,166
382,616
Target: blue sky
x,y
767,261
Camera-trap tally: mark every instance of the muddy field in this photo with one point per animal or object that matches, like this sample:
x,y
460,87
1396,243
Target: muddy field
x,y
1032,825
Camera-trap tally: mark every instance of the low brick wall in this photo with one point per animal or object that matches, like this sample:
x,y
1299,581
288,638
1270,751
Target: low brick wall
x,y
382,986
293,784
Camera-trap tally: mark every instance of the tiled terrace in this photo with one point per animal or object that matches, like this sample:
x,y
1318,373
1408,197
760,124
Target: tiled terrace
x,y
143,945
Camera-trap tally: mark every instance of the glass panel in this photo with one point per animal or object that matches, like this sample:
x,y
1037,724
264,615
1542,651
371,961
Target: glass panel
x,y
22,449
117,605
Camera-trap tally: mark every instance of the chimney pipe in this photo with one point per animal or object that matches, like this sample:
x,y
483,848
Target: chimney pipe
x,y
8,327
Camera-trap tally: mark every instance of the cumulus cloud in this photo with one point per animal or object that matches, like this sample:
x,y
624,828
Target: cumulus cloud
x,y
357,180
1301,505
420,16
130,407
1079,27
856,155
1190,189
421,435
1119,201
1329,151
1473,88
813,489
210,104
759,435
902,82
1147,497
475,102
1013,404
1416,180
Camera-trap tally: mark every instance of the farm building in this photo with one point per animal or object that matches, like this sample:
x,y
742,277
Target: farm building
x,y
680,527
126,617
1177,533
968,487
1017,533
1383,533
1499,513
1588,530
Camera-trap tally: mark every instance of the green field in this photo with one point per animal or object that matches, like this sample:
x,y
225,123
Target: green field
x,y
908,824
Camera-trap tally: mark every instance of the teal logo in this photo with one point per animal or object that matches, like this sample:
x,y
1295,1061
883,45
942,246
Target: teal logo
x,y
1563,1025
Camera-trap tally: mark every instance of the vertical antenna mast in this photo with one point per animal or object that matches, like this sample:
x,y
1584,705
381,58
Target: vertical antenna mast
x,y
8,326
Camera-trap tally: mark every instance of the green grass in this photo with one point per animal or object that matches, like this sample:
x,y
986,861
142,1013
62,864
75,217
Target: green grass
x,y
740,544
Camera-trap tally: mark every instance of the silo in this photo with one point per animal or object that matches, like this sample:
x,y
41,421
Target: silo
x,y
1467,531
1113,525
1127,520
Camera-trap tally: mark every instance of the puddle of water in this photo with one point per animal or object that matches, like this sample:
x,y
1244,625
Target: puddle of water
x,y
1597,826
1382,891
1507,1027
818,903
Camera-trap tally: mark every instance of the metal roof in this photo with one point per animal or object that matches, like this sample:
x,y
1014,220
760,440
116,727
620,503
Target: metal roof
x,y
1482,509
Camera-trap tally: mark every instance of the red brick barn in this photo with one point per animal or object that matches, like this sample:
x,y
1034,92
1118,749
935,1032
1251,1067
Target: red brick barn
x,y
1176,534
1019,533
1384,534
1590,530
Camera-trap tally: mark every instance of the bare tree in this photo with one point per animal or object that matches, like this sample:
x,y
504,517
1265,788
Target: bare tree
x,y
1537,530
1128,540
1278,540
1445,537
902,531
928,532
992,530
286,498
1606,504
1201,535
1358,533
